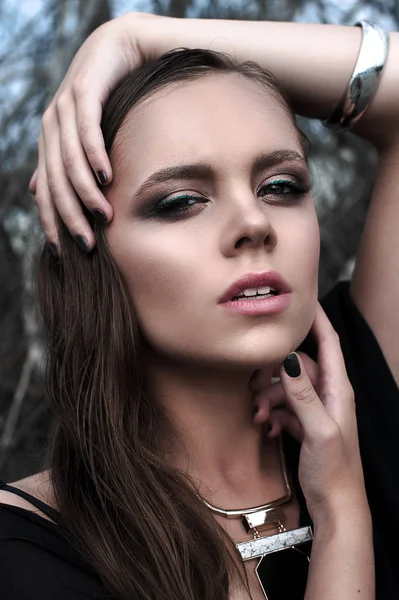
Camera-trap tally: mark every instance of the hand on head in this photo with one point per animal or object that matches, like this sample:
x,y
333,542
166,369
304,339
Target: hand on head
x,y
72,159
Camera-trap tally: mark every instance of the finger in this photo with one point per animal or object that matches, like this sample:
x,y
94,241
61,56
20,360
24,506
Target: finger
x,y
282,419
261,410
267,400
276,372
88,117
43,200
334,386
271,396
32,183
60,189
76,163
302,398
260,380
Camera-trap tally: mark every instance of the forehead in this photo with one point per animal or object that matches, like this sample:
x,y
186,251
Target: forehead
x,y
215,119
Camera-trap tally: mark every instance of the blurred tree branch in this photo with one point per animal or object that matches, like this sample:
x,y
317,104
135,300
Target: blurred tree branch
x,y
37,74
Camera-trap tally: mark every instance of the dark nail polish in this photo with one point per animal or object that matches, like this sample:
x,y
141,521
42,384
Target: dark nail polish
x,y
255,409
100,216
82,243
292,366
102,178
53,249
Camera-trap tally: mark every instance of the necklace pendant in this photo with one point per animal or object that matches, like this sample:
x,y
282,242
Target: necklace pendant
x,y
263,519
285,553
273,543
284,574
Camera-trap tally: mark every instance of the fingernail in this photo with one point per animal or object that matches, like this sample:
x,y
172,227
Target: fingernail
x,y
292,366
53,249
82,243
100,216
269,427
102,178
255,410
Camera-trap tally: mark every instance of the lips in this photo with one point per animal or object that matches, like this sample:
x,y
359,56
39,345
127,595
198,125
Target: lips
x,y
256,280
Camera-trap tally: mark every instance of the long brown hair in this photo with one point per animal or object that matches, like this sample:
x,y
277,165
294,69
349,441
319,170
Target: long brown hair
x,y
135,519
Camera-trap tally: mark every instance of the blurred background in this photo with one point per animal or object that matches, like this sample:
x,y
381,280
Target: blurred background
x,y
38,39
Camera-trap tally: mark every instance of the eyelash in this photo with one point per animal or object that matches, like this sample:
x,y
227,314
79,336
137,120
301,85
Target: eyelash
x,y
169,208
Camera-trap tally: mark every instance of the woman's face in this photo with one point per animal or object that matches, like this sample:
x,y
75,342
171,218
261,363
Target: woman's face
x,y
223,209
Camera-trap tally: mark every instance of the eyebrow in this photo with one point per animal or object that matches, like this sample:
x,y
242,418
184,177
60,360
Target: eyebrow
x,y
203,171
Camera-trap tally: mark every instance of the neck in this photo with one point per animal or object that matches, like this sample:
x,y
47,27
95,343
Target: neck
x,y
217,444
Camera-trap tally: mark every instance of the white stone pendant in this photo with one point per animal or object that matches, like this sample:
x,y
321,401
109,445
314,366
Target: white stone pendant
x,y
283,567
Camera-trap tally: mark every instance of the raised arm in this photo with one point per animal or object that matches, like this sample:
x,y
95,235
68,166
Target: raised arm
x,y
313,62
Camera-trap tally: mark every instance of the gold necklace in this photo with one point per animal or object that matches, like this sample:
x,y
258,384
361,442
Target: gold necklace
x,y
260,519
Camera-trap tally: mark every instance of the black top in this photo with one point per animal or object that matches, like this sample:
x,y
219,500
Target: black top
x,y
37,561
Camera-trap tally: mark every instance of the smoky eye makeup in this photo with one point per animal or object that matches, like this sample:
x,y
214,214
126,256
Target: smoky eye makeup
x,y
166,204
288,184
279,190
283,186
173,205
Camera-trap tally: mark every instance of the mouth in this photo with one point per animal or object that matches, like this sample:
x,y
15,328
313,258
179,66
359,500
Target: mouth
x,y
256,286
256,294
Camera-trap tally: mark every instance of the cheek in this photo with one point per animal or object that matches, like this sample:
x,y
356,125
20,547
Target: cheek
x,y
155,278
313,247
161,272
297,258
301,238
306,257
310,253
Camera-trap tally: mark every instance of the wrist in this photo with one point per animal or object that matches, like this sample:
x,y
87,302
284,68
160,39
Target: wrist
x,y
342,512
131,31
342,559
148,41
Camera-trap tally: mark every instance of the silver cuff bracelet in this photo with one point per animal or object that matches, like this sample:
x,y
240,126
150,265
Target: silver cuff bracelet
x,y
365,78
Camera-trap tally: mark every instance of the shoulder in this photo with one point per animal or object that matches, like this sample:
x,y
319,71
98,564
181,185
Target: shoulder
x,y
39,486
26,569
38,561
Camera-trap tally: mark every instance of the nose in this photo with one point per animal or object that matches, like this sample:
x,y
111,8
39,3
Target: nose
x,y
247,226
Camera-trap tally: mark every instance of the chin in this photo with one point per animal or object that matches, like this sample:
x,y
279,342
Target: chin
x,y
259,351
255,357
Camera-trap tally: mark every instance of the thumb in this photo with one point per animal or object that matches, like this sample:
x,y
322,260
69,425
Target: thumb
x,y
302,397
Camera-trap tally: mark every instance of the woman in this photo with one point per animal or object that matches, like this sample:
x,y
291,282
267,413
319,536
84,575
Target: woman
x,y
171,256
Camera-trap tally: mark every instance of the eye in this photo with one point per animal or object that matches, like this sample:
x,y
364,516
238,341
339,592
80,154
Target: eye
x,y
177,206
282,187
